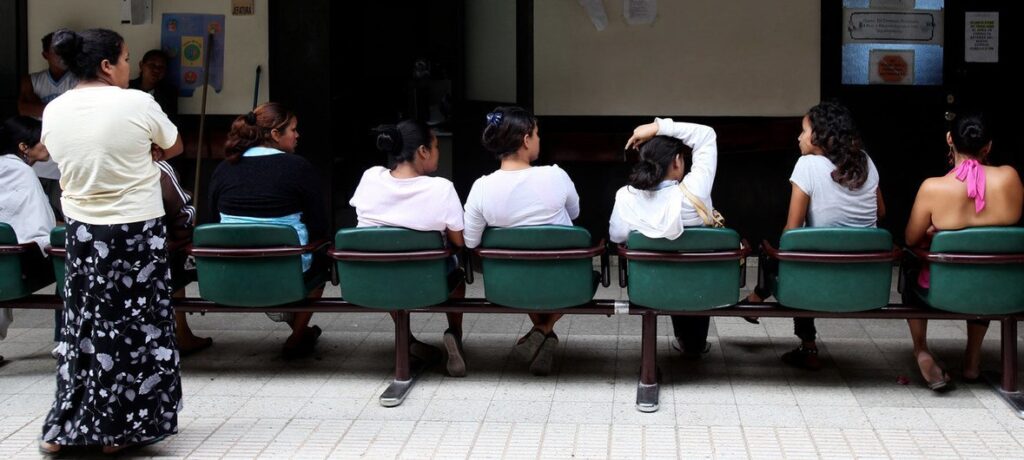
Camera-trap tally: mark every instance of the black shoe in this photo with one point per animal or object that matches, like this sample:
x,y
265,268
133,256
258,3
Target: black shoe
x,y
803,357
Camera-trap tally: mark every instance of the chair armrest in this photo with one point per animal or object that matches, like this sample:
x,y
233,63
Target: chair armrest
x,y
541,254
831,257
606,275
16,248
362,256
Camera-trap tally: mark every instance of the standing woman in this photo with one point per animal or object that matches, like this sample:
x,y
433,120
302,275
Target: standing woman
x,y
117,367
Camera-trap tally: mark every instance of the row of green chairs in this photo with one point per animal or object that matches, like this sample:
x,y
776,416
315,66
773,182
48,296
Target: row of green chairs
x,y
830,272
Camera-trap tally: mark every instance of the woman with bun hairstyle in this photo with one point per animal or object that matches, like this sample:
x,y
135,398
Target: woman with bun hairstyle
x,y
117,366
263,181
655,205
517,195
405,195
972,194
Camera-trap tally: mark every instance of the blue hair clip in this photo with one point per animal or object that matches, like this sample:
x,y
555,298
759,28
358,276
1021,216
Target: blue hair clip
x,y
494,118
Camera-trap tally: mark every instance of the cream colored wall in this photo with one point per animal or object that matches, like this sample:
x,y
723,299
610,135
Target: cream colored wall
x,y
699,57
491,50
245,48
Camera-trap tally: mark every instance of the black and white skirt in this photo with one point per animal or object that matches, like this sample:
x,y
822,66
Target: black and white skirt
x,y
117,370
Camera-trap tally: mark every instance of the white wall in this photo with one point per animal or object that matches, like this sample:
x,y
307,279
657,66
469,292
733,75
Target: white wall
x,y
699,57
245,48
491,50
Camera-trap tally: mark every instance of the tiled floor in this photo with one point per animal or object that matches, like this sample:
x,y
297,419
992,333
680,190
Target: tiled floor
x,y
242,400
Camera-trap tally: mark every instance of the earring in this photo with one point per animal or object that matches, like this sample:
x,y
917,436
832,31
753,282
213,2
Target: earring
x,y
951,156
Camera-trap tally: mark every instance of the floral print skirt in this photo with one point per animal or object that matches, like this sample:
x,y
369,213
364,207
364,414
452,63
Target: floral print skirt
x,y
117,369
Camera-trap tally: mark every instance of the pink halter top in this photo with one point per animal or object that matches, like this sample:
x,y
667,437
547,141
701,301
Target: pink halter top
x,y
973,174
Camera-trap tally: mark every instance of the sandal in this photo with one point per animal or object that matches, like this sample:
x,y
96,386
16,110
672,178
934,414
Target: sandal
x,y
545,357
803,357
938,386
114,450
456,366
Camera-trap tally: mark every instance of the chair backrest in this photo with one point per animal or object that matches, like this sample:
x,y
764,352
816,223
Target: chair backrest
x,y
685,285
835,286
14,282
391,284
532,283
987,289
249,281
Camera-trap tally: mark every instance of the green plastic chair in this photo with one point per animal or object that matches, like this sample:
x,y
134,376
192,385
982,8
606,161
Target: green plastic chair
x,y
976,271
391,268
14,282
57,256
540,267
700,270
833,269
252,265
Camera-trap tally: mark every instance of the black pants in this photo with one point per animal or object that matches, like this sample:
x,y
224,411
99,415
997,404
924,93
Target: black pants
x,y
692,332
769,269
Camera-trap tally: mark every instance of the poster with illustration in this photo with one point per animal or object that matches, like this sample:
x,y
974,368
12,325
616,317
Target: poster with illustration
x,y
184,37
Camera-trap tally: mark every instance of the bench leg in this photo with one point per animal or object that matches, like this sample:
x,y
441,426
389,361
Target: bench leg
x,y
1005,385
405,377
647,388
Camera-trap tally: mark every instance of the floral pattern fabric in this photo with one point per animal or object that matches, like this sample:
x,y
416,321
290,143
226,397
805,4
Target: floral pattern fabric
x,y
117,369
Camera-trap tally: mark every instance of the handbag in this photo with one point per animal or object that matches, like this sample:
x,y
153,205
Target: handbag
x,y
714,219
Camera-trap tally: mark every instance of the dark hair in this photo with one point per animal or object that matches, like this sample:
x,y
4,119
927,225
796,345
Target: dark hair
x,y
835,133
656,156
970,133
254,129
47,41
506,127
16,130
401,141
154,53
83,52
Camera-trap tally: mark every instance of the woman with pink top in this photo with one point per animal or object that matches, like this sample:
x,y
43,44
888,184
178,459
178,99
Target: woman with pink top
x,y
973,194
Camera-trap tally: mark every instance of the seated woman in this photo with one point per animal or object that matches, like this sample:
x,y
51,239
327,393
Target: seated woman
x,y
655,204
23,204
835,184
518,195
404,195
973,194
262,181
180,217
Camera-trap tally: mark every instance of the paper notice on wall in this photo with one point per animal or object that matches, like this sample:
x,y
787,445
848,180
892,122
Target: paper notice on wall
x,y
891,67
639,12
243,7
185,39
595,9
981,40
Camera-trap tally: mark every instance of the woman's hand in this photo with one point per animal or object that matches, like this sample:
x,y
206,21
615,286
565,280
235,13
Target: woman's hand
x,y
157,152
641,134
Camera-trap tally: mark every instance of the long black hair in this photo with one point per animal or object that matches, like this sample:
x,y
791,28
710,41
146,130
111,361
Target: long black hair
x,y
835,133
401,141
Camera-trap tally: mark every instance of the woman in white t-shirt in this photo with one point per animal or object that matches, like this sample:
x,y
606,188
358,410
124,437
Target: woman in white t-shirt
x,y
835,184
117,367
655,205
405,195
518,195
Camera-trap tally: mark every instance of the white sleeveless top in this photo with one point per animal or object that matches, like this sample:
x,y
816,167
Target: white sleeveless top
x,y
47,89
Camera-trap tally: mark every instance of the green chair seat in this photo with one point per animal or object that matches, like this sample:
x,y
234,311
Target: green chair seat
x,y
265,281
14,282
57,240
393,284
830,286
983,289
685,286
538,284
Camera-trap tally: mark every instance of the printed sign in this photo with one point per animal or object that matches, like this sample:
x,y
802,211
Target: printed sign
x,y
243,7
981,42
184,37
891,67
922,27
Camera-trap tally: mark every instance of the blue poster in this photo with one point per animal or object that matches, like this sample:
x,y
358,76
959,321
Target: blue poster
x,y
185,39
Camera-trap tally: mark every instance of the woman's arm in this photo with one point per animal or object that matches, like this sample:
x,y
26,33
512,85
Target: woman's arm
x,y
455,238
798,203
881,203
920,218
703,140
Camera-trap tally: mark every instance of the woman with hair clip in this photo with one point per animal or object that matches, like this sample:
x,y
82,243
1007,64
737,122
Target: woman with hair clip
x,y
118,384
404,195
835,184
517,195
972,194
23,203
656,205
263,181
